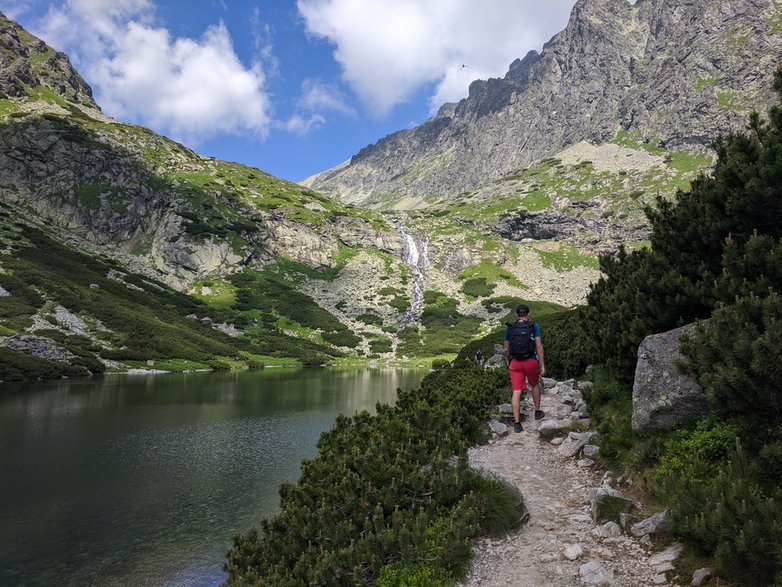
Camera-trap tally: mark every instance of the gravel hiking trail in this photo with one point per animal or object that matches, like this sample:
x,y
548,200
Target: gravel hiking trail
x,y
556,491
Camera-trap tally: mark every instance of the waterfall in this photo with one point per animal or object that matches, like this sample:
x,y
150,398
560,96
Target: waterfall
x,y
417,261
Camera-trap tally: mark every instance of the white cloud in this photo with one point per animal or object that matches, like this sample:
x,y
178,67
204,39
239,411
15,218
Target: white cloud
x,y
17,9
301,125
193,89
390,50
317,96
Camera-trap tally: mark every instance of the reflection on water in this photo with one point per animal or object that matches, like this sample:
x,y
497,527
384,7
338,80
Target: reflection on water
x,y
143,480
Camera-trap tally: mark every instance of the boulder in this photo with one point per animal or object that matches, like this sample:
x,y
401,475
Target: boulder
x,y
654,524
498,428
594,573
700,576
573,552
574,442
498,358
607,530
548,429
662,395
591,450
607,504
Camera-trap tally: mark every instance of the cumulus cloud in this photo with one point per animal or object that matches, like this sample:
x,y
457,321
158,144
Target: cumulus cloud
x,y
390,50
317,96
302,125
193,89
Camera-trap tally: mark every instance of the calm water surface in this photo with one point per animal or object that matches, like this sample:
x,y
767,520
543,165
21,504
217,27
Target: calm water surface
x,y
141,480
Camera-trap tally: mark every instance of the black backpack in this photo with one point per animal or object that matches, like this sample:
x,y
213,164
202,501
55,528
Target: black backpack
x,y
521,339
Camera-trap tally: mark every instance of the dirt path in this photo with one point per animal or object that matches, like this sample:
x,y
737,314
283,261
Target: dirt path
x,y
557,493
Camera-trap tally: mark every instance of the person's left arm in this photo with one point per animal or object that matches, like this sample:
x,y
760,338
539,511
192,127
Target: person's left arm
x,y
539,350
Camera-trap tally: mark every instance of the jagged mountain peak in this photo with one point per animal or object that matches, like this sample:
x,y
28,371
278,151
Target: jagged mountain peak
x,y
675,73
27,64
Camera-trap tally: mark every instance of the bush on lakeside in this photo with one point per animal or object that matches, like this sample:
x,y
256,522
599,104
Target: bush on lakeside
x,y
389,497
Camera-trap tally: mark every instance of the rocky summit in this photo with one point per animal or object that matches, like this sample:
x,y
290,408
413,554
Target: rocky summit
x,y
670,73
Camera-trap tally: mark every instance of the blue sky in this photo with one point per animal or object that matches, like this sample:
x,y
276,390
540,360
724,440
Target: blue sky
x,y
290,87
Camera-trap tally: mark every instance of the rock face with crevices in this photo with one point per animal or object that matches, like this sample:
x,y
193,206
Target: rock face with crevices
x,y
662,394
670,72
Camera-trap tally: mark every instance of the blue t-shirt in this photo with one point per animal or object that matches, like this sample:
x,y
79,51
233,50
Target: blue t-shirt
x,y
535,329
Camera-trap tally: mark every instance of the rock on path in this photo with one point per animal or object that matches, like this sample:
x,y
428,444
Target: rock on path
x,y
557,493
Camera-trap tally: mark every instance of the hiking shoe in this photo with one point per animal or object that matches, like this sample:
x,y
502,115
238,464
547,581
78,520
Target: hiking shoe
x,y
517,426
539,414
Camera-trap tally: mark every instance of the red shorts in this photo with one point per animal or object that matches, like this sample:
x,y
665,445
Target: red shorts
x,y
520,370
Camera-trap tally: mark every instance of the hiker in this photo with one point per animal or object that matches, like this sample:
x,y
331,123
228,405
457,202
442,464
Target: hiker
x,y
524,352
479,357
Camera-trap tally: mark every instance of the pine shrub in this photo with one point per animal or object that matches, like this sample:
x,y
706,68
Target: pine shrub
x,y
389,497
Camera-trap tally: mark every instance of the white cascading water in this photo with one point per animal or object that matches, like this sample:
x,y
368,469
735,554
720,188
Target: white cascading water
x,y
417,261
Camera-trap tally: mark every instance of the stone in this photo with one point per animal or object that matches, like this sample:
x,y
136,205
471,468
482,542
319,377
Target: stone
x,y
574,442
573,552
606,504
590,450
570,448
550,428
700,576
547,382
498,428
626,519
662,395
668,555
654,524
594,573
563,410
506,409
585,463
607,530
497,360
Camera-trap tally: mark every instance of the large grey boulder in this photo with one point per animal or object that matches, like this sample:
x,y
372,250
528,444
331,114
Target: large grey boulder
x,y
662,395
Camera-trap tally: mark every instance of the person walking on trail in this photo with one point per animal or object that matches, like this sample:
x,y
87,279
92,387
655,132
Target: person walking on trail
x,y
479,357
524,352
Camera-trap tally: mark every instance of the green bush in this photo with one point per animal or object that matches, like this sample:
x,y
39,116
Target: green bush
x,y
414,575
370,319
345,338
384,493
731,517
737,356
381,346
478,287
696,453
16,366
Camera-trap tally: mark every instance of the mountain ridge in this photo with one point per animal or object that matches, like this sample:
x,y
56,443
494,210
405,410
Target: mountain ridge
x,y
674,72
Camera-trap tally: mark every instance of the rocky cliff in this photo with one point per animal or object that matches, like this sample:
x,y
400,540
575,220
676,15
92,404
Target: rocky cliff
x,y
672,73
124,190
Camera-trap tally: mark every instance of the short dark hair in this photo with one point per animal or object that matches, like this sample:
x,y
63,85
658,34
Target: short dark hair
x,y
522,310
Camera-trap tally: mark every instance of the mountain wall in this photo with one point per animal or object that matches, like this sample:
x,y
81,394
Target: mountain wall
x,y
675,73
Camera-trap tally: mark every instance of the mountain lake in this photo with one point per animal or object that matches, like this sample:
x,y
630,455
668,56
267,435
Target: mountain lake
x,y
143,480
